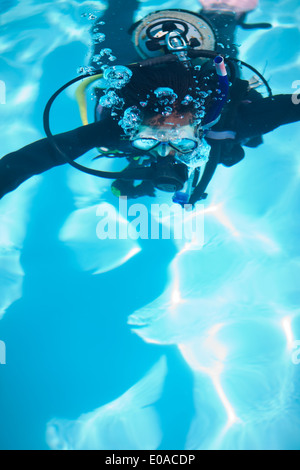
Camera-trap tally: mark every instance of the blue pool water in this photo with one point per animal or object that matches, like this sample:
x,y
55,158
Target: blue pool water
x,y
145,344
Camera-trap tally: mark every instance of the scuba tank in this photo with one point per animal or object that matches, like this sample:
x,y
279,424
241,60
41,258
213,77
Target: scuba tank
x,y
177,31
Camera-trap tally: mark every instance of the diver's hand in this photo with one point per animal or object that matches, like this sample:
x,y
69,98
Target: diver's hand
x,y
127,188
147,188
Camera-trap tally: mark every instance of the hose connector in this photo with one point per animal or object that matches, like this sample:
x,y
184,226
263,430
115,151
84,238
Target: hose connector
x,y
220,66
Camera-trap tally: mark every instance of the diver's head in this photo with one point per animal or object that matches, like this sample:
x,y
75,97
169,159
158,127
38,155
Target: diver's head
x,y
171,102
162,117
170,91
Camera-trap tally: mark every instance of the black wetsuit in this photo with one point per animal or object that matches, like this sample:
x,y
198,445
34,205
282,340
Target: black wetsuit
x,y
251,121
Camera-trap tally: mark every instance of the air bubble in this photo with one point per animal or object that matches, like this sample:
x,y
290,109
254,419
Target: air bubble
x,y
167,111
99,37
86,70
198,157
97,58
187,100
105,51
200,114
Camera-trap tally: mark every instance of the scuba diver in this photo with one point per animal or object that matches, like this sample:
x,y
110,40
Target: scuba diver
x,y
172,117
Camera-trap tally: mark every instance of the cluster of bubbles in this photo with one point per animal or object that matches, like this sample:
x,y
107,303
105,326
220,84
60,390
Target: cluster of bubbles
x,y
88,69
103,55
199,105
111,100
187,100
114,78
131,120
198,157
98,37
199,102
117,76
89,16
166,97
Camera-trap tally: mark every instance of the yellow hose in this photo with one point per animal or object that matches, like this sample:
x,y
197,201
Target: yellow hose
x,y
80,95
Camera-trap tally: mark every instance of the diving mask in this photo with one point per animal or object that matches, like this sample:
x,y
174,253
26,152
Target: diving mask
x,y
180,138
150,143
190,148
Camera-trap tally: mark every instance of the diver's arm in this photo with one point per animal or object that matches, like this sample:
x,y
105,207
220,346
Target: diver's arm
x,y
265,115
40,156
